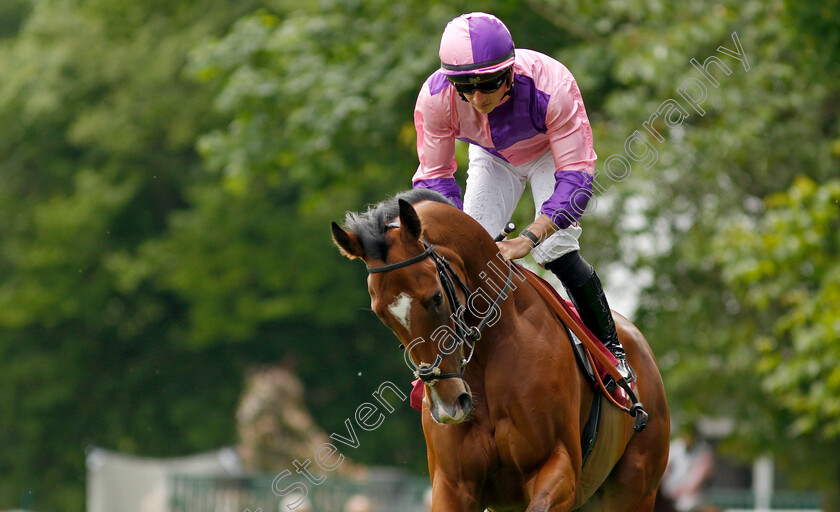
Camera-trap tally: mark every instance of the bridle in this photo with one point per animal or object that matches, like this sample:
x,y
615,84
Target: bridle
x,y
430,373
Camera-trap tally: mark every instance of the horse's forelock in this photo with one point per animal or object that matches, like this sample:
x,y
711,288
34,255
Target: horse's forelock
x,y
370,226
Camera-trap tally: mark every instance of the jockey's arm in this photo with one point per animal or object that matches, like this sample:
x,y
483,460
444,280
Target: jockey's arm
x,y
435,149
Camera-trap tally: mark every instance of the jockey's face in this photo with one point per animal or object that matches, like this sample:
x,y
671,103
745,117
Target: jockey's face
x,y
485,102
487,93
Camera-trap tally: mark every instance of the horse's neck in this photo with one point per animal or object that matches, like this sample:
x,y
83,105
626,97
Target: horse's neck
x,y
488,273
521,311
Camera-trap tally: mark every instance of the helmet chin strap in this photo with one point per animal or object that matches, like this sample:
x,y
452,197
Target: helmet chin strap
x,y
509,82
509,92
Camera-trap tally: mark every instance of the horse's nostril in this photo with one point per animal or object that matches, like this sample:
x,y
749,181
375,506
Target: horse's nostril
x,y
465,401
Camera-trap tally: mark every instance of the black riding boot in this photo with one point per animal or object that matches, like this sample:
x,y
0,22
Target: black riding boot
x,y
584,288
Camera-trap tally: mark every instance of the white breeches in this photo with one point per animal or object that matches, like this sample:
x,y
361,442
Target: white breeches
x,y
494,188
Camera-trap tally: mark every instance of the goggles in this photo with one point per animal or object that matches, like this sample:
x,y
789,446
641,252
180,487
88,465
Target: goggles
x,y
484,83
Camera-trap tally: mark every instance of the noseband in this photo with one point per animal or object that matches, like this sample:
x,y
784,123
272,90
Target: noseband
x,y
430,373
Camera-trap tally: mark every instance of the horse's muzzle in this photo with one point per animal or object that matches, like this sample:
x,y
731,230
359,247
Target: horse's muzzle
x,y
452,413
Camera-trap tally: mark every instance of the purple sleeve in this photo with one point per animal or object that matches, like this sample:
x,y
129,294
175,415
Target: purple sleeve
x,y
572,191
448,187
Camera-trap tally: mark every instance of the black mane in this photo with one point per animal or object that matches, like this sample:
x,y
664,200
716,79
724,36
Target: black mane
x,y
370,226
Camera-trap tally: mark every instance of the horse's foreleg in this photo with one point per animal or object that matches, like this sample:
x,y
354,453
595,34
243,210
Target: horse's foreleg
x,y
554,485
451,496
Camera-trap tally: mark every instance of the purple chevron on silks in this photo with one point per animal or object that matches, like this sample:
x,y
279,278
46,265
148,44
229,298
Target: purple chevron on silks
x,y
520,118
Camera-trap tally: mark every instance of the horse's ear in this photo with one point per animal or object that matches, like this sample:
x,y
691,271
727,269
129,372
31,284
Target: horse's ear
x,y
409,220
347,243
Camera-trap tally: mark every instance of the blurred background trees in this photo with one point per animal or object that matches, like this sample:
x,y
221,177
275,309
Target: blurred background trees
x,y
169,171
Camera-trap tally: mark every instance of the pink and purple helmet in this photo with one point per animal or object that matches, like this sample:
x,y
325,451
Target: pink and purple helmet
x,y
475,44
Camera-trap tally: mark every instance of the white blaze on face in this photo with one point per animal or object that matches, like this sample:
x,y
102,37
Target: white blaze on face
x,y
401,309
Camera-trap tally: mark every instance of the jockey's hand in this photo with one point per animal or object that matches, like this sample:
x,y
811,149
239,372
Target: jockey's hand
x,y
514,248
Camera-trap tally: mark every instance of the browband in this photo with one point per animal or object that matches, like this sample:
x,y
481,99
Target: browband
x,y
410,261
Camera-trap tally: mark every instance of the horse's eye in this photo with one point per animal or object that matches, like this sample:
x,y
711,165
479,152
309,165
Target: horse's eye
x,y
437,300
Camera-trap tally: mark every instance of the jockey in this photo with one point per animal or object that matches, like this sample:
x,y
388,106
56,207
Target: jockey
x,y
523,116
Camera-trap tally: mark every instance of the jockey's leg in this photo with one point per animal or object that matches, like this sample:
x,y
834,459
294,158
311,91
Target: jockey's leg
x,y
494,188
584,288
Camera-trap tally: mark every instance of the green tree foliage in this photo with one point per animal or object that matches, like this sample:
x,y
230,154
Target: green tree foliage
x,y
313,98
170,169
98,136
785,271
319,123
758,129
139,286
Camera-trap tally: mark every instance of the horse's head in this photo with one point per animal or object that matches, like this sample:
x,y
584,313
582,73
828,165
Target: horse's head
x,y
415,289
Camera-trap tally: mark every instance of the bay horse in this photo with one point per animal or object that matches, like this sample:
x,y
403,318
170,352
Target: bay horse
x,y
505,401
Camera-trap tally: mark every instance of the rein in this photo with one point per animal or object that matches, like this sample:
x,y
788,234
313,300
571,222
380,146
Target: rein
x,y
430,373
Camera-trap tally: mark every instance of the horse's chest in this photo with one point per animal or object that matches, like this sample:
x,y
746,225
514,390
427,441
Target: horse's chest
x,y
518,449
